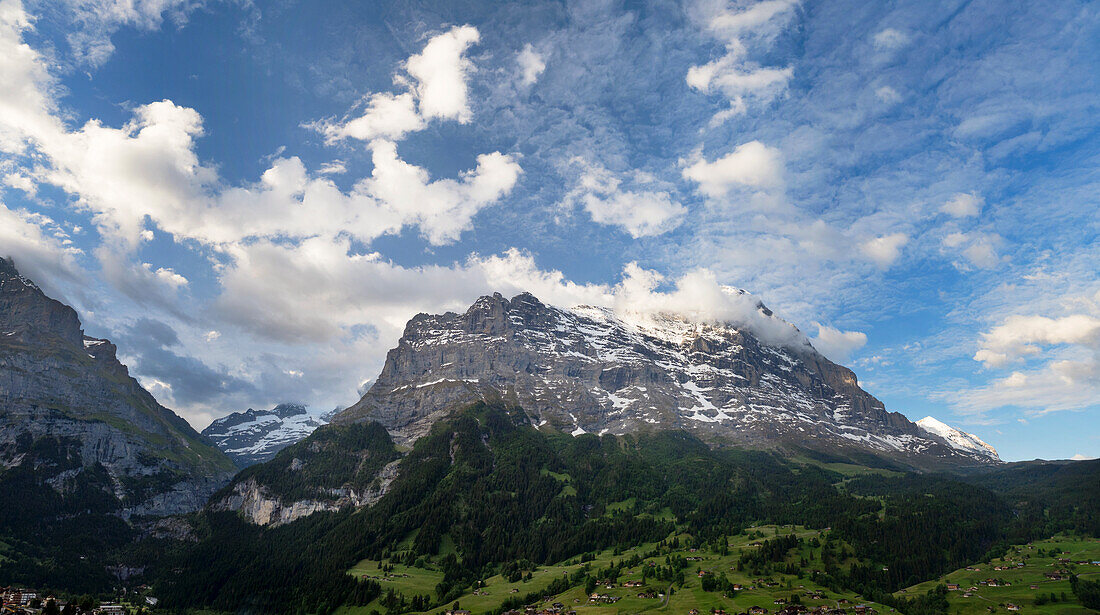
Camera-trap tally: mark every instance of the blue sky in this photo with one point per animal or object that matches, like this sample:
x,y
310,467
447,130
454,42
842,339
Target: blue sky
x,y
252,199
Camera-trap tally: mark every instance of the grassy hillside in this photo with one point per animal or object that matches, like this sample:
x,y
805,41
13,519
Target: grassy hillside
x,y
1022,579
797,571
487,495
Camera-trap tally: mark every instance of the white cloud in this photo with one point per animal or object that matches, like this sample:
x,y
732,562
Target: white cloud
x,y
33,241
751,164
262,291
889,39
1020,336
436,82
148,170
964,204
887,94
884,250
389,116
836,344
21,182
979,249
440,73
742,81
642,213
95,21
698,296
1056,365
531,65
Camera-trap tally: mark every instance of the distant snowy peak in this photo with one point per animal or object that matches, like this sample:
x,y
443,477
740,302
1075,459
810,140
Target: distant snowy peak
x,y
255,436
959,439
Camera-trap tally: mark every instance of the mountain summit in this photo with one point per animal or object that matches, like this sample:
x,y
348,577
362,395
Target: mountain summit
x,y
591,370
959,439
255,436
76,425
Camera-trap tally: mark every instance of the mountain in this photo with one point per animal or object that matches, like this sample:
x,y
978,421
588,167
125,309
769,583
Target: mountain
x,y
254,436
75,428
592,370
968,443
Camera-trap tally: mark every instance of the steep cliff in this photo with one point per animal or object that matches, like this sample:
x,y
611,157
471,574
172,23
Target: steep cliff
x,y
73,420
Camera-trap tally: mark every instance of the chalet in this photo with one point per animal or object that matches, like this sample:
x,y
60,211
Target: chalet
x,y
757,610
780,601
633,584
1011,607
952,587
1033,586
967,594
737,587
693,612
110,608
651,595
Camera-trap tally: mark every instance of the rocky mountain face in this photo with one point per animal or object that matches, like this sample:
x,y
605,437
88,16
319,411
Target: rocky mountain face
x,y
73,420
337,466
966,442
255,436
589,370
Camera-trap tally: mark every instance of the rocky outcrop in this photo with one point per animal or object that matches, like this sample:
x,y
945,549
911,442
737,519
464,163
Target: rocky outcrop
x,y
590,370
257,504
255,436
69,411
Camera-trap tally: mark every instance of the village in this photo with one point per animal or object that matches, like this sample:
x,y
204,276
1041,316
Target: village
x,y
25,601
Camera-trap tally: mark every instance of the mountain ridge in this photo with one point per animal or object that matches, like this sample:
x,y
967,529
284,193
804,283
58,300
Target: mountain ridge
x,y
589,370
60,385
255,436
958,438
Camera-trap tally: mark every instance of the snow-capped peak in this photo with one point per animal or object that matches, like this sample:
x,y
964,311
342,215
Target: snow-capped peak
x,y
959,439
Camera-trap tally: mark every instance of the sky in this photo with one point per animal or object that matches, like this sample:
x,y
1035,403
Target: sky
x,y
251,199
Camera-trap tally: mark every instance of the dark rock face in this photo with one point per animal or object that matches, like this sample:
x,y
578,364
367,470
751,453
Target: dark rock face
x,y
58,385
587,370
254,436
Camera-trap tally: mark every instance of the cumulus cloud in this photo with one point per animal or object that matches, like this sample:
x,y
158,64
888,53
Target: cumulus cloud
x,y
531,65
1054,361
1020,336
148,170
884,250
836,344
436,82
439,73
751,164
698,296
389,116
39,247
963,204
740,80
642,213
